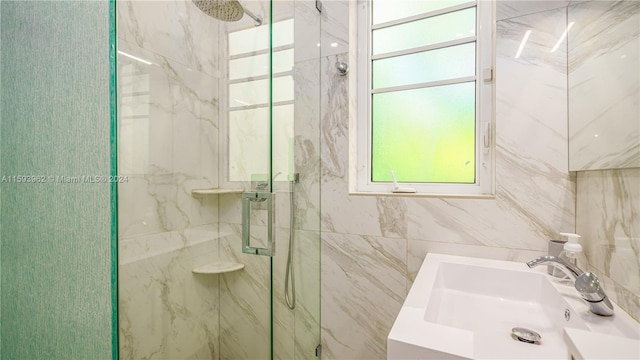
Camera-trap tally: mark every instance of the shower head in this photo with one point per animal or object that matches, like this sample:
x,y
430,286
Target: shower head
x,y
225,10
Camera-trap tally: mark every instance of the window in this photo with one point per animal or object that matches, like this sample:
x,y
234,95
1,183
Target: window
x,y
425,102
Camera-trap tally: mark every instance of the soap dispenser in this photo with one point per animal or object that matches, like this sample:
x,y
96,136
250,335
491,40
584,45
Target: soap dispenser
x,y
572,250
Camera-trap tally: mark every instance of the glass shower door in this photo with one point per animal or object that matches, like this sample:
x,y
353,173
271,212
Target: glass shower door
x,y
246,114
273,146
215,115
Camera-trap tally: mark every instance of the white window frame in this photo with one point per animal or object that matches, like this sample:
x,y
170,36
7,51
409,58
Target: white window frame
x,y
360,109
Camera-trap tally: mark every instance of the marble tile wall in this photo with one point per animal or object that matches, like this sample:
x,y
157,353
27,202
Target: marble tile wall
x,y
604,133
507,9
168,76
244,301
372,246
608,218
165,310
604,85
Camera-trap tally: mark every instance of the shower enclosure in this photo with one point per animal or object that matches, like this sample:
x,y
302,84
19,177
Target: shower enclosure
x,y
218,141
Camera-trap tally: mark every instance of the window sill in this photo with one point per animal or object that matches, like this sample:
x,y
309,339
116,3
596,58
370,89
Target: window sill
x,y
425,195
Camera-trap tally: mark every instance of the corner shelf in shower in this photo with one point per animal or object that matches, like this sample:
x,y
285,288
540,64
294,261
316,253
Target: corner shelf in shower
x,y
215,191
220,267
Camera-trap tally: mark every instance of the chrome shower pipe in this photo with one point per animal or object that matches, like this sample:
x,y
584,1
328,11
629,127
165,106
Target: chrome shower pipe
x,y
257,19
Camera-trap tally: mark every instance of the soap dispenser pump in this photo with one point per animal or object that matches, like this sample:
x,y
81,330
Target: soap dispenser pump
x,y
572,250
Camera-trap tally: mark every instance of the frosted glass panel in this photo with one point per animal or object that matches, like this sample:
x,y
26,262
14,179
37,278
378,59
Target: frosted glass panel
x,y
387,10
433,30
258,65
257,38
257,92
434,127
446,63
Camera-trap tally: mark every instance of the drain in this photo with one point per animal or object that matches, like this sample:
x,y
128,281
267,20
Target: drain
x,y
525,335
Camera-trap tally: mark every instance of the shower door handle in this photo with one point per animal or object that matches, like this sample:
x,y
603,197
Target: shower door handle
x,y
258,203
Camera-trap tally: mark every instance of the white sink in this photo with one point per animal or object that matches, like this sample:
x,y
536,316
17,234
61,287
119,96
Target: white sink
x,y
466,308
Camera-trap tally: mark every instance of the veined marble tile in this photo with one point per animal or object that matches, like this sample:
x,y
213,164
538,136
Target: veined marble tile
x,y
604,85
209,162
193,104
152,204
532,180
145,204
169,104
138,248
307,267
363,288
340,212
248,149
282,208
156,318
141,247
307,145
296,331
531,100
195,211
145,125
496,223
335,120
230,209
608,218
283,317
173,29
190,100
247,295
307,31
627,300
512,8
335,27
417,250
307,332
244,301
186,151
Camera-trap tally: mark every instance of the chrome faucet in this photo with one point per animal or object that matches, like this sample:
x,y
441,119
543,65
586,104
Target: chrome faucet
x,y
572,271
586,283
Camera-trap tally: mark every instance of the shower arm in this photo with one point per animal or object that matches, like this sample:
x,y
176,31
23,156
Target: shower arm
x,y
255,18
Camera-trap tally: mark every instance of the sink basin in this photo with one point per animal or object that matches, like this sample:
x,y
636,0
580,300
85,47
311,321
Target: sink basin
x,y
466,308
489,302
